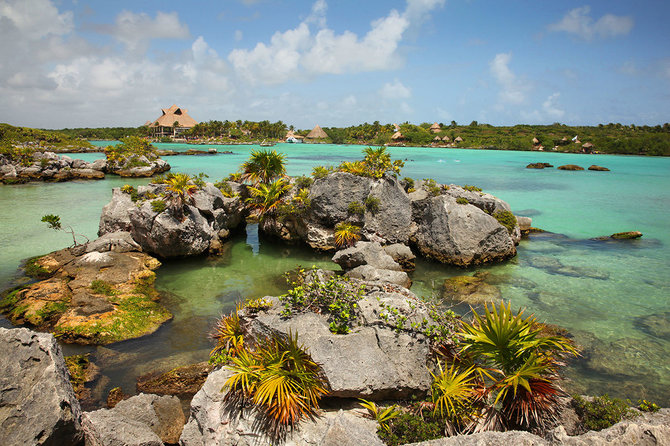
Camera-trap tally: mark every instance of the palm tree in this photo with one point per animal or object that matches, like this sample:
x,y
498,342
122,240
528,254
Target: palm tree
x,y
180,187
264,166
266,197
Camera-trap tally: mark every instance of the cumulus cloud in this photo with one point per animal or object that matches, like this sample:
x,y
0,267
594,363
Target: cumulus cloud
x,y
300,52
136,31
579,23
513,90
395,90
550,107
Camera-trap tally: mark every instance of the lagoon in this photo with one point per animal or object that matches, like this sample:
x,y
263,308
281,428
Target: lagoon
x,y
613,297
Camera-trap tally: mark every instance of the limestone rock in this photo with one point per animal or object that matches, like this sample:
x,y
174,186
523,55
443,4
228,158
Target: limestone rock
x,y
626,235
570,167
211,424
472,290
538,165
598,168
37,403
402,254
486,202
365,253
369,273
458,234
181,381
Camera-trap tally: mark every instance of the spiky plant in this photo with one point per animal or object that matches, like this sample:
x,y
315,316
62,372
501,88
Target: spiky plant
x,y
346,234
180,188
266,197
264,166
382,417
279,378
228,334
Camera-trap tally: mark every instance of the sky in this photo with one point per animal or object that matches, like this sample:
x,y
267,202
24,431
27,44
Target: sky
x,y
76,63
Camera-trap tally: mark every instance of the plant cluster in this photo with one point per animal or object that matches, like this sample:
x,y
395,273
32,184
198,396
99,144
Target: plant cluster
x,y
336,296
279,379
101,287
346,234
602,411
229,336
409,184
507,219
375,164
647,406
131,152
372,204
356,208
382,417
502,374
410,427
462,200
264,166
472,188
431,186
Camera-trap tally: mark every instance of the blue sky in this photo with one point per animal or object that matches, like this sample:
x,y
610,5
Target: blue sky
x,y
71,63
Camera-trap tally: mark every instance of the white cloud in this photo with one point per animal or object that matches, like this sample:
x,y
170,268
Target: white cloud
x,y
238,35
550,107
579,23
135,31
395,90
299,52
513,90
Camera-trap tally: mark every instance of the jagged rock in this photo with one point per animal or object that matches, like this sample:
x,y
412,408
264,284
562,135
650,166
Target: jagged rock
x,y
525,224
626,235
402,254
372,361
538,165
165,233
458,234
163,415
119,241
115,396
37,403
598,168
486,202
365,253
368,273
47,166
211,424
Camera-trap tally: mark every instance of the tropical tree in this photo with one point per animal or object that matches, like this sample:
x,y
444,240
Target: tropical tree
x,y
264,166
180,188
53,221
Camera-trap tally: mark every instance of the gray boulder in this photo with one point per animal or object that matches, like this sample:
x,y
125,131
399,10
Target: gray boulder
x,y
486,202
37,403
368,273
365,253
458,234
119,241
402,254
373,361
211,424
133,421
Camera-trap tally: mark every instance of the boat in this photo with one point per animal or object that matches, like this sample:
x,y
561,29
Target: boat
x,y
267,144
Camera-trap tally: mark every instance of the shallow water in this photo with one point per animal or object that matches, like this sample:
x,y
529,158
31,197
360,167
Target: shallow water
x,y
612,296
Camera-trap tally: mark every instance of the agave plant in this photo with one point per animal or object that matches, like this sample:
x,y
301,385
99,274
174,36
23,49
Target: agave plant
x,y
266,197
263,166
279,378
346,234
518,364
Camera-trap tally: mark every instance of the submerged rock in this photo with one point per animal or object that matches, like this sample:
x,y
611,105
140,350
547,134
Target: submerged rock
x,y
626,235
182,381
657,324
472,290
538,165
37,403
570,167
598,168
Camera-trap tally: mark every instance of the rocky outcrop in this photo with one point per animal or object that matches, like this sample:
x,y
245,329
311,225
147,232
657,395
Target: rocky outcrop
x,y
212,424
598,168
386,214
369,262
47,166
376,360
458,234
97,293
37,403
570,167
181,381
626,235
140,420
191,227
525,225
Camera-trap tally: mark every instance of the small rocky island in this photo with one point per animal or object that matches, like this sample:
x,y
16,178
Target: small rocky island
x,y
133,157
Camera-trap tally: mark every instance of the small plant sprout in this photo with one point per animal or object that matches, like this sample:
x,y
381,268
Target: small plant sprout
x,y
53,221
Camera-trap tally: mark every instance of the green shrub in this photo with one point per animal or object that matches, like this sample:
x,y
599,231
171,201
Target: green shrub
x,y
321,172
507,219
602,412
158,206
303,182
431,187
346,234
409,184
356,208
34,269
462,200
410,428
647,406
336,296
225,188
372,204
127,189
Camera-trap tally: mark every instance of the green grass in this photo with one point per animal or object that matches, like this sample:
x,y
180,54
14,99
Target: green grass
x,y
34,270
102,287
507,219
602,412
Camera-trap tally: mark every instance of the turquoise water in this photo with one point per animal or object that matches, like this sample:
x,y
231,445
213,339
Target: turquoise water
x,y
614,297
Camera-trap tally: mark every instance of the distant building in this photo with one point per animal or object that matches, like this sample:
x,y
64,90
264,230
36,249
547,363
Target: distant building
x,y
174,121
435,128
316,133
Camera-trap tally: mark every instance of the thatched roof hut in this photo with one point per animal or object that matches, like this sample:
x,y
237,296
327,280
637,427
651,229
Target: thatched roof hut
x,y
446,139
437,139
536,141
397,135
316,133
172,115
458,139
435,127
587,145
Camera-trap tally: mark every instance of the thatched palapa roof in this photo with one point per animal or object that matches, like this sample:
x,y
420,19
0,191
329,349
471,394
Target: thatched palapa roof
x,y
458,139
536,141
587,145
437,138
446,139
172,115
435,127
397,135
316,133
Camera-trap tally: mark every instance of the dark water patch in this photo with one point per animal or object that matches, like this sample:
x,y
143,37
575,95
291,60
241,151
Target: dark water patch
x,y
528,213
552,265
657,325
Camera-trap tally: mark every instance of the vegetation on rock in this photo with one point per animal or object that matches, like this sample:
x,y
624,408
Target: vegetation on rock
x,y
507,219
601,412
346,234
53,221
